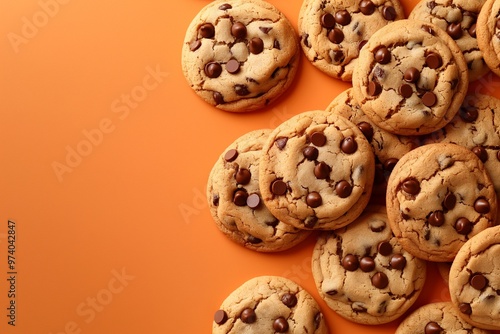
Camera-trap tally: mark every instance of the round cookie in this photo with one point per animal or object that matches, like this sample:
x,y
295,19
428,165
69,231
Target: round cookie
x,y
332,32
475,280
488,34
240,55
411,78
269,304
364,274
316,171
436,318
235,202
439,196
476,128
458,18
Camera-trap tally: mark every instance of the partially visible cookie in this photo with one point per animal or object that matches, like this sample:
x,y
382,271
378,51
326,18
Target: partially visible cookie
x,y
488,34
439,196
475,280
240,55
436,318
333,31
316,171
458,18
269,305
411,78
364,274
235,202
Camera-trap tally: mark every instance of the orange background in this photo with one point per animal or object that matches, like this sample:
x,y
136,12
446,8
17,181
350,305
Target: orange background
x,y
104,157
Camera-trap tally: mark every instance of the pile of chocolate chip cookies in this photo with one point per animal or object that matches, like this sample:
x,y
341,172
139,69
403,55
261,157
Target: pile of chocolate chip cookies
x,y
398,171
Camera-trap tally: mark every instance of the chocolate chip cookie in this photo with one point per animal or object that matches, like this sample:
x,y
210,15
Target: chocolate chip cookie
x,y
436,318
411,78
475,280
235,201
459,19
316,171
363,273
439,196
269,304
240,55
488,34
333,31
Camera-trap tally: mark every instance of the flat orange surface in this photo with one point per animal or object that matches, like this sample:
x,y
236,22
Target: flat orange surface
x,y
104,157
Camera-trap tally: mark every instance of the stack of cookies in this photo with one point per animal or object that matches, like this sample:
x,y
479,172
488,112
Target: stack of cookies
x,y
398,171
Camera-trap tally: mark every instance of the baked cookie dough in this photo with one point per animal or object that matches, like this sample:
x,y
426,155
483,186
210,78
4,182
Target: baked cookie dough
x,y
439,196
364,274
316,171
459,19
240,55
436,318
475,280
411,78
235,202
269,305
333,31
488,34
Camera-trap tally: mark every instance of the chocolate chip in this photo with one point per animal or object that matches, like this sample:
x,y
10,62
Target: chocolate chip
x,y
256,45
481,153
367,130
337,56
367,7
278,187
433,60
411,75
463,226
468,115
377,225
429,99
411,186
406,91
248,316
195,45
454,30
280,325
225,6
311,153
472,30
390,163
481,205
317,319
361,44
349,145
220,317
428,29
318,139
380,280
498,155
343,17
280,142
478,281
240,197
322,171
218,98
350,262
233,66
276,45
389,13
215,200
397,262
253,201
207,30
238,30
254,240
243,176
449,201
231,155
465,308
431,4
309,222
336,36
436,218
332,292
289,300
343,189
313,199
265,30
213,70
241,90
327,21
432,328
366,264
384,248
382,55
374,88
498,24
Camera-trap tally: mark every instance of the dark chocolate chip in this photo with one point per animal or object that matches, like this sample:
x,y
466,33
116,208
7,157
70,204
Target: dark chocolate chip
x,y
337,56
397,262
343,189
332,292
454,30
317,319
350,262
432,328
366,264
481,205
220,317
367,130
431,4
428,29
412,75
195,45
318,139
361,44
322,171
248,316
349,145
276,45
256,45
449,201
468,115
498,24
390,163
213,70
374,88
253,201
231,155
389,13
472,30
481,153
406,91
436,218
327,21
336,36
310,153
240,197
254,240
225,6
433,60
463,226
313,199
238,30
498,155
342,17
280,325
265,30
289,300
380,280
278,187
243,176
309,222
241,90
465,308
281,142
233,66
411,186
429,99
478,281
382,55
367,7
384,248
215,199
207,30
218,98
377,226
